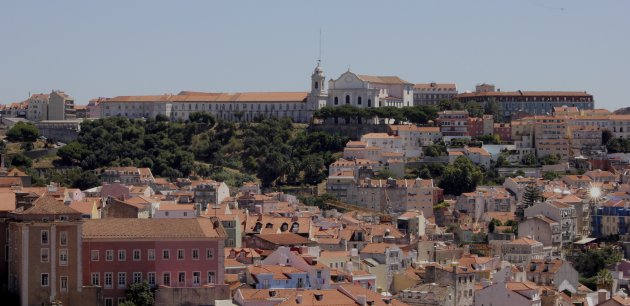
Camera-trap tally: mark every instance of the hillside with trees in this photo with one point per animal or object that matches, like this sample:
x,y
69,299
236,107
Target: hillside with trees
x,y
274,150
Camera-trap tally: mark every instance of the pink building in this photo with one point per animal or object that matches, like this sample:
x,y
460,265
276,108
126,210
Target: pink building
x,y
174,253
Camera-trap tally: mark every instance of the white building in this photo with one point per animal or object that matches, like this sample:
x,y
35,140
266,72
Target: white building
x,y
413,138
369,91
241,106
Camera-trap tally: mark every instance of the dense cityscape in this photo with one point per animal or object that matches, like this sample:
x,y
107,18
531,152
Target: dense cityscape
x,y
364,190
314,153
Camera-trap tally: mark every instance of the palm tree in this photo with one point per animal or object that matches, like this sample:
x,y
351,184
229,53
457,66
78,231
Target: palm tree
x,y
604,279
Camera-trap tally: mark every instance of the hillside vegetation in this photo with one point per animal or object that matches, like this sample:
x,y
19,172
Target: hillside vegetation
x,y
273,150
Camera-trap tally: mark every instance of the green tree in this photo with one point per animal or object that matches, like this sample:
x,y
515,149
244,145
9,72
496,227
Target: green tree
x,y
385,174
27,146
590,262
502,160
424,173
493,224
461,176
489,139
72,153
531,195
607,135
21,160
530,159
86,180
550,175
604,279
139,294
23,131
493,108
551,159
313,166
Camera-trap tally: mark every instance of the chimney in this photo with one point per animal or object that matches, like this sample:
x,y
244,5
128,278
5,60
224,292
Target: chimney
x,y
361,299
602,295
485,282
318,296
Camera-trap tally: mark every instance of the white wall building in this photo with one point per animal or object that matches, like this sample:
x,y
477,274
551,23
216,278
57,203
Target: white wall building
x,y
369,91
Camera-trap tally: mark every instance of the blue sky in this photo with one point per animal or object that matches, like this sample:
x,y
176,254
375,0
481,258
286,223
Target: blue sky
x,y
109,48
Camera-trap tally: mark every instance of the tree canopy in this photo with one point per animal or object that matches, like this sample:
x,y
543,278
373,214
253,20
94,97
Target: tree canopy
x,y
461,176
23,131
420,114
273,149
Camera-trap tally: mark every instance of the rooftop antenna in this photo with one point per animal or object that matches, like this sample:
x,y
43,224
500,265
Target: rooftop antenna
x,y
319,58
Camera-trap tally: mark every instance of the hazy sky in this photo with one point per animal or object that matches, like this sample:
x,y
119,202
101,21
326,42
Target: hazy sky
x,y
109,48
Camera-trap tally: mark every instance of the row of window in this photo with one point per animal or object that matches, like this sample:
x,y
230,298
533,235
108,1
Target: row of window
x,y
63,282
44,256
137,277
45,237
137,254
238,107
359,100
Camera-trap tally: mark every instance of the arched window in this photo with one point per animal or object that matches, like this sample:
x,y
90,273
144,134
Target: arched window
x,y
347,99
336,100
359,100
316,85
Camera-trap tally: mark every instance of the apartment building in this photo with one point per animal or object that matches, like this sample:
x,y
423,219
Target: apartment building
x,y
453,124
44,255
485,199
395,195
610,218
552,137
57,105
414,138
522,250
528,102
176,253
560,212
461,279
478,126
432,93
127,175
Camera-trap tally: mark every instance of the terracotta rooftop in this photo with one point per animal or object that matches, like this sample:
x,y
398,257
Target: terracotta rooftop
x,y
524,240
284,239
382,79
525,94
443,86
129,228
377,248
47,205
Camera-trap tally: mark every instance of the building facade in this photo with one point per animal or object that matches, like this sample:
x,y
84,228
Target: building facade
x,y
176,253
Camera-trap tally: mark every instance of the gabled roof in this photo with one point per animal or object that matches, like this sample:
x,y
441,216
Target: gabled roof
x,y
382,79
47,205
